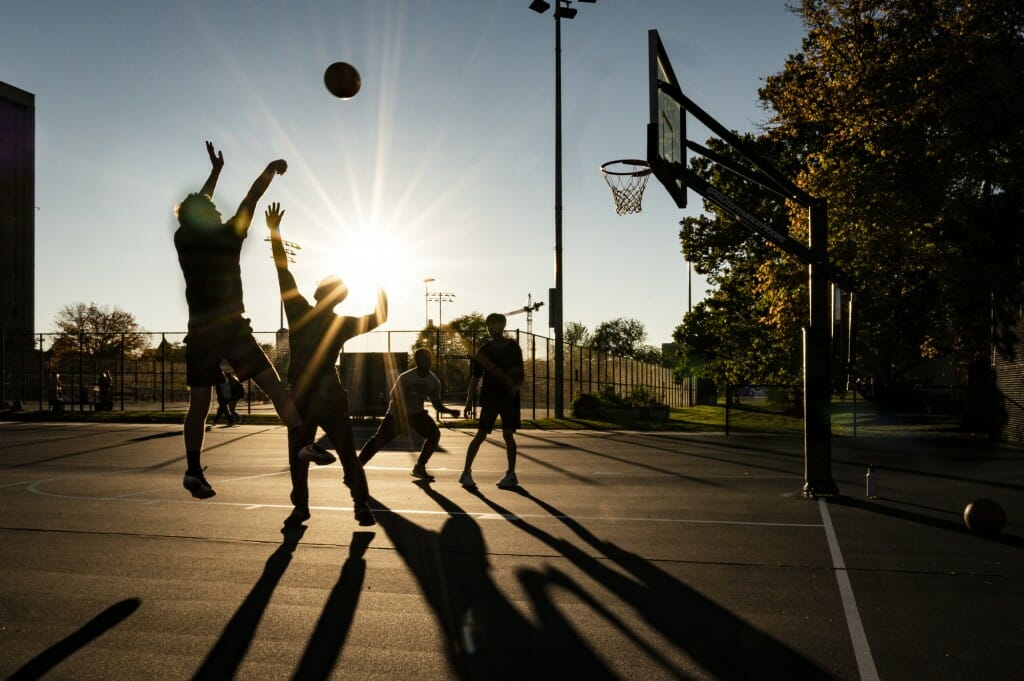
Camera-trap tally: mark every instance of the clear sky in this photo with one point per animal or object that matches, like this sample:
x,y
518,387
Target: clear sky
x,y
442,167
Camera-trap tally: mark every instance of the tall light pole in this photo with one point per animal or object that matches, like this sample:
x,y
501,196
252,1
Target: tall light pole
x,y
563,9
426,301
440,298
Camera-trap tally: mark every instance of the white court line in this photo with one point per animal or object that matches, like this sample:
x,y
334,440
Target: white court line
x,y
15,484
861,649
34,488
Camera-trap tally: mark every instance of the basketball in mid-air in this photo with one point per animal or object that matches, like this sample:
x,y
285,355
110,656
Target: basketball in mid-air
x,y
342,80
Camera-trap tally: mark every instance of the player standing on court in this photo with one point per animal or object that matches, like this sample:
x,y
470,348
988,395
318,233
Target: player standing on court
x,y
405,410
208,252
316,336
499,362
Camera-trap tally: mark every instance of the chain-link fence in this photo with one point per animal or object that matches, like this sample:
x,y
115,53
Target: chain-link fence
x,y
146,371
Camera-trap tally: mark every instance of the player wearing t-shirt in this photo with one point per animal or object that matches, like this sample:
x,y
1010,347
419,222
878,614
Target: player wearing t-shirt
x,y
499,364
406,410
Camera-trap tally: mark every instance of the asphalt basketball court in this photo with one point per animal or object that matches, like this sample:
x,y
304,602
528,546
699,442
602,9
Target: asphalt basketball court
x,y
622,555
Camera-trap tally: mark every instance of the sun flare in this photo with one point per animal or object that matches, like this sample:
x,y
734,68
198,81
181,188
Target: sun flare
x,y
367,260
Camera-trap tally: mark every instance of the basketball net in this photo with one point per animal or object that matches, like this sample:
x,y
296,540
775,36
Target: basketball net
x,y
627,179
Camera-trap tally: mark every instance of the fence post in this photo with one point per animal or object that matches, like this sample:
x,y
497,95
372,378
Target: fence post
x,y
532,371
81,373
163,369
120,373
41,384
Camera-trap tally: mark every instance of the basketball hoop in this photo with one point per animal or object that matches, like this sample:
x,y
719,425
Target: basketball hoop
x,y
627,178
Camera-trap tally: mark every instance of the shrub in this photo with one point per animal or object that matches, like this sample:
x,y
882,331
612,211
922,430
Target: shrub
x,y
586,406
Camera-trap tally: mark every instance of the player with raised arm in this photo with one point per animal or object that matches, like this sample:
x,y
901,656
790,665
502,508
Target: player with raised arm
x,y
316,337
208,252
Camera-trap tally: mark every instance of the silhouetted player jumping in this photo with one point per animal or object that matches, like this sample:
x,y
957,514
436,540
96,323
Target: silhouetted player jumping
x,y
208,252
316,336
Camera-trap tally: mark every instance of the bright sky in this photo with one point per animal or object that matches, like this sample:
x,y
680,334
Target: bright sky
x,y
442,167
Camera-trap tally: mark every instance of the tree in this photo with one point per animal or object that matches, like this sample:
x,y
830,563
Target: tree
x,y
908,119
621,336
576,334
98,332
459,338
748,329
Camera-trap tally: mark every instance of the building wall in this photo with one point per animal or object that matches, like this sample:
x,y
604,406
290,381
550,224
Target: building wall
x,y
17,212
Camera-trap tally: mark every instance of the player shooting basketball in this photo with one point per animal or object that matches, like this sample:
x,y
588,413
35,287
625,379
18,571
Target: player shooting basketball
x,y
316,336
208,252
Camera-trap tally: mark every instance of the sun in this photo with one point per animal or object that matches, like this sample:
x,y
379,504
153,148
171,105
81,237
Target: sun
x,y
367,259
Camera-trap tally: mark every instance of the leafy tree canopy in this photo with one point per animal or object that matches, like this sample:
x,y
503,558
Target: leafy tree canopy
x,y
97,331
908,119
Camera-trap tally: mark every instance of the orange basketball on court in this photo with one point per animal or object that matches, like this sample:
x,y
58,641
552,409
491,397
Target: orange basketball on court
x,y
984,517
342,80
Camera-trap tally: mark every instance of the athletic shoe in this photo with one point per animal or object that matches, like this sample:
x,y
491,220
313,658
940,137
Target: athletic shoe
x,y
466,480
315,453
195,482
421,473
237,421
509,481
364,516
299,515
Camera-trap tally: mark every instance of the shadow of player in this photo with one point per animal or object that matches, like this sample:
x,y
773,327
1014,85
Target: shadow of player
x,y
486,637
224,658
41,664
328,638
711,635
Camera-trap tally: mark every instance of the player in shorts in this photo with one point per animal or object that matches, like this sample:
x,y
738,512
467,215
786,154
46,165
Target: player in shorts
x,y
499,363
315,338
208,252
405,411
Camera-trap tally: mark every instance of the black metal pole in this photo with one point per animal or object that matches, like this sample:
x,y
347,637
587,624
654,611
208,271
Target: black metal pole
x,y
818,479
557,317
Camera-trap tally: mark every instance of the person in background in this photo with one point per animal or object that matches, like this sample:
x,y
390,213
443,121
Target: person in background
x,y
405,411
498,363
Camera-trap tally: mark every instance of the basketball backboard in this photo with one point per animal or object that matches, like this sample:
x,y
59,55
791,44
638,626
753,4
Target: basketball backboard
x,y
666,131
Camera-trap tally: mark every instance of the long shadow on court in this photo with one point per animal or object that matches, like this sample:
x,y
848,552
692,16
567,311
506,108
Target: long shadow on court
x,y
224,658
41,664
486,637
655,469
328,638
711,635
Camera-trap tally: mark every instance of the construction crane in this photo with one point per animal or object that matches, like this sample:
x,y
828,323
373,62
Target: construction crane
x,y
529,309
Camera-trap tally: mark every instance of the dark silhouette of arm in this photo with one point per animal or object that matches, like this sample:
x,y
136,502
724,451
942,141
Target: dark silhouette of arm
x,y
216,163
353,326
284,277
243,217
